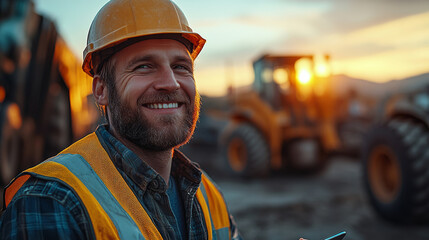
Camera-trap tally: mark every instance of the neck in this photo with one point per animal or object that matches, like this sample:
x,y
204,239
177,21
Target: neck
x,y
160,161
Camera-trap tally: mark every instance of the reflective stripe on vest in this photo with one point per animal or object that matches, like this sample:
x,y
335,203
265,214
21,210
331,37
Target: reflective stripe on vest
x,y
125,225
114,210
219,222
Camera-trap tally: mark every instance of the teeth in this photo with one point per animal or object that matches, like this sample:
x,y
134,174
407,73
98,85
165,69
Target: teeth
x,y
163,105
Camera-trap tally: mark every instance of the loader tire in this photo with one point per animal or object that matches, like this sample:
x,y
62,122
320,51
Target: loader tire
x,y
396,170
245,152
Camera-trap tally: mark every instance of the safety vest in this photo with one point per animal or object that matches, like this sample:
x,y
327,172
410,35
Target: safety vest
x,y
114,210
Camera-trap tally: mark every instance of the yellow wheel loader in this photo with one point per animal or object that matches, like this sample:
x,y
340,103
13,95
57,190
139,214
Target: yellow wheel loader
x,y
283,121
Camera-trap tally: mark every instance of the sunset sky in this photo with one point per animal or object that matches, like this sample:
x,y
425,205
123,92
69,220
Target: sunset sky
x,y
376,40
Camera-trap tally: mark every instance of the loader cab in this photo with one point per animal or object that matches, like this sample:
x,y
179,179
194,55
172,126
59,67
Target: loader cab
x,y
276,78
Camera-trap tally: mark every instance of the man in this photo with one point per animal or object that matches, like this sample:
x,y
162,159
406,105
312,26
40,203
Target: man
x,y
127,180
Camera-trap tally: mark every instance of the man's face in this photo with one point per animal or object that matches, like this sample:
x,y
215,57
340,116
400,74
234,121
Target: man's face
x,y
154,104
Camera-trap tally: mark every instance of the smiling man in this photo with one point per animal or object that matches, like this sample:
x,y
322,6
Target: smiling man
x,y
127,180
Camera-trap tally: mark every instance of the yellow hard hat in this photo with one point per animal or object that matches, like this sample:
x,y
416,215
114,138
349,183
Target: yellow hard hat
x,y
122,20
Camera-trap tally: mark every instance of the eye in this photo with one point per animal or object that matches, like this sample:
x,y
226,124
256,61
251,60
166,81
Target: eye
x,y
180,67
143,66
183,68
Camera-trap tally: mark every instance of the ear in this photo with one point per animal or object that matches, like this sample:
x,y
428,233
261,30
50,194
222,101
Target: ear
x,y
99,90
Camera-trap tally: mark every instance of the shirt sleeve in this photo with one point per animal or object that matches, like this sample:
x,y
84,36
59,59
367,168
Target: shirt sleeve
x,y
45,210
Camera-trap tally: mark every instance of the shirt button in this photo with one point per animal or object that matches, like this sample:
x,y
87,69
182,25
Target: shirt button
x,y
157,197
155,184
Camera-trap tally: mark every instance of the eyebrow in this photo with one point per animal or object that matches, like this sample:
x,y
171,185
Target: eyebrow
x,y
151,57
137,59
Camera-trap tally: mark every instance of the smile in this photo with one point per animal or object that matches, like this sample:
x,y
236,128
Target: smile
x,y
162,105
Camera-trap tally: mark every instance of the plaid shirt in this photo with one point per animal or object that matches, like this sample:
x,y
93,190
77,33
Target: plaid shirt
x,y
50,210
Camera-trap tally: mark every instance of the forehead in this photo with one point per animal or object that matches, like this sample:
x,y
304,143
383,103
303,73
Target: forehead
x,y
157,47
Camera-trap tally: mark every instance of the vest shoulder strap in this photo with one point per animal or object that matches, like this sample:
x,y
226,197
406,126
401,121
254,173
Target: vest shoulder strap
x,y
91,150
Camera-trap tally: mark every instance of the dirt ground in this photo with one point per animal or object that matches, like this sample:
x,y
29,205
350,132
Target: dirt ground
x,y
313,207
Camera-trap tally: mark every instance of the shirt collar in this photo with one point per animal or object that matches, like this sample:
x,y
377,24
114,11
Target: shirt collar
x,y
138,170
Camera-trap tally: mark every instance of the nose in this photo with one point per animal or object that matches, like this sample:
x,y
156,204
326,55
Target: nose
x,y
166,81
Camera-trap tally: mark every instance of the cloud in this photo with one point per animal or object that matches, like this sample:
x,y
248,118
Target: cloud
x,y
349,15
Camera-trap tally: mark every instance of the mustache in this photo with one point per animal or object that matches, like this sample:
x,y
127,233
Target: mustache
x,y
177,96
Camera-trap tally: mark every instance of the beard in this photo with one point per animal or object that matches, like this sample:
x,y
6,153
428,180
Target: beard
x,y
166,133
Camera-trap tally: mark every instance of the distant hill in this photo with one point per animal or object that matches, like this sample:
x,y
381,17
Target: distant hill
x,y
409,84
342,84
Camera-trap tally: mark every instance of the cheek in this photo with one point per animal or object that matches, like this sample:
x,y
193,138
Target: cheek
x,y
133,89
189,87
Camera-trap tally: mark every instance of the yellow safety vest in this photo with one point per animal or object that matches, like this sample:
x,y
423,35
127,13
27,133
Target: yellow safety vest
x,y
114,210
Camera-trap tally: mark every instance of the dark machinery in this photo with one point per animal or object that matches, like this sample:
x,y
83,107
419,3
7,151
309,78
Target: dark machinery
x,y
41,90
396,158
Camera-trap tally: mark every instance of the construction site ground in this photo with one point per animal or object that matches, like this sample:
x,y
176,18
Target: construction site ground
x,y
313,207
